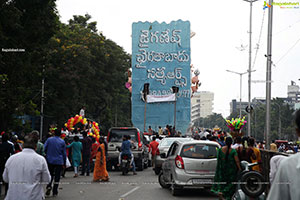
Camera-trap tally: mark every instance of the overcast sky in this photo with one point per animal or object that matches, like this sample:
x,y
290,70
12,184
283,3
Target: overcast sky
x,y
220,27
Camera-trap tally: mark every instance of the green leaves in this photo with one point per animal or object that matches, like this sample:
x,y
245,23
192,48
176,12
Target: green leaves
x,y
87,69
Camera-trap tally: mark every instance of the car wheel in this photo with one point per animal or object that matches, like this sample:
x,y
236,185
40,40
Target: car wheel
x,y
140,164
157,170
149,163
146,163
162,182
251,188
175,190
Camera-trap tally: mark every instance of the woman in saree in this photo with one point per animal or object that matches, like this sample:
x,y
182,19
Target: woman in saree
x,y
100,172
228,165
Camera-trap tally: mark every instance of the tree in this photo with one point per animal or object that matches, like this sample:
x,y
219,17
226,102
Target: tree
x,y
212,121
87,69
26,25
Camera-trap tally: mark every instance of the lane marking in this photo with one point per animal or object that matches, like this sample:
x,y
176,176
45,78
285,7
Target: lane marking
x,y
131,191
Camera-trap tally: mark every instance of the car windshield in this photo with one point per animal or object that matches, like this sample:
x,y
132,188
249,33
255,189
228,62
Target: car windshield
x,y
200,151
167,142
116,135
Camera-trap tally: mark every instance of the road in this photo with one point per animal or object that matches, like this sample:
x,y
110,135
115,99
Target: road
x,y
144,186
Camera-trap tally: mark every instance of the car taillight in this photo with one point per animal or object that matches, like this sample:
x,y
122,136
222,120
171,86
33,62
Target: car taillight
x,y
179,162
108,137
140,146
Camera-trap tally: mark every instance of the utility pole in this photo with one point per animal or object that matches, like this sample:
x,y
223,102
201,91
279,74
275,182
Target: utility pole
x,y
249,70
116,116
269,77
42,104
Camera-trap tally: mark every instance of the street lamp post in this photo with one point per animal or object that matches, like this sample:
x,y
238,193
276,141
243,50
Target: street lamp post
x,y
241,74
249,70
42,104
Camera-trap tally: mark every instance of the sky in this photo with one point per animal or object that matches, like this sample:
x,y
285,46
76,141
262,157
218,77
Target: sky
x,y
221,27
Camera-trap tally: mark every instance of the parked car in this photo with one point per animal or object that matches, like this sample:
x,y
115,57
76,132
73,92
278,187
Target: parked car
x,y
189,164
163,147
114,142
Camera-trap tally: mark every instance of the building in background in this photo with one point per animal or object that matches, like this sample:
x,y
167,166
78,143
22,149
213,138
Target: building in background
x,y
293,94
202,105
235,105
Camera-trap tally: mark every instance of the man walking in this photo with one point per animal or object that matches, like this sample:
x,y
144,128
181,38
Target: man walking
x,y
55,149
26,172
153,149
86,154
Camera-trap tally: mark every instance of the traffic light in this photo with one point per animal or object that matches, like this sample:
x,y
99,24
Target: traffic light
x,y
175,89
146,88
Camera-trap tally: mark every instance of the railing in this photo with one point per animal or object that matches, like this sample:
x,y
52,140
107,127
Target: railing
x,y
266,156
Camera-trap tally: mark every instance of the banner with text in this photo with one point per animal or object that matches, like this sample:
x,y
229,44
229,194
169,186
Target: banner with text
x,y
161,57
160,98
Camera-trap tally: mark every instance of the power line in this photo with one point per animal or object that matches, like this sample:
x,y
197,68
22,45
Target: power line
x,y
288,51
258,43
288,27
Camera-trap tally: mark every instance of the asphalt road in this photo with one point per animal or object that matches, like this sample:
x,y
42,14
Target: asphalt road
x,y
143,186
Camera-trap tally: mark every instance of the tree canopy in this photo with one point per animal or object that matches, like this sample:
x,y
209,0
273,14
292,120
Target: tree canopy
x,y
81,67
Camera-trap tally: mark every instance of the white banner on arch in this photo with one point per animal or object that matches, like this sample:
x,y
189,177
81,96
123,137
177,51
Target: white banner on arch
x,y
160,98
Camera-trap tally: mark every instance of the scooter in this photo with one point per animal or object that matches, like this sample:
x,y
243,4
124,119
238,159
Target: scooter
x,y
251,184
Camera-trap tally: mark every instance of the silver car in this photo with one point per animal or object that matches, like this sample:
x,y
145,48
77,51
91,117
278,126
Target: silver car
x,y
164,147
190,164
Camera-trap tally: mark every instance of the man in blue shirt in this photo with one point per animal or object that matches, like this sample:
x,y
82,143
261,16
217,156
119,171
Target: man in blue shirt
x,y
126,150
55,149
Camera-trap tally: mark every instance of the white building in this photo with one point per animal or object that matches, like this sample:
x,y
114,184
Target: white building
x,y
293,93
202,105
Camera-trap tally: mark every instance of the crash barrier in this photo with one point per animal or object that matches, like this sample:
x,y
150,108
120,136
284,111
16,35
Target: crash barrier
x,y
266,156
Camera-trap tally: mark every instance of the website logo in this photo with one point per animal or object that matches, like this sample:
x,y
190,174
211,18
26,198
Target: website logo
x,y
282,5
266,5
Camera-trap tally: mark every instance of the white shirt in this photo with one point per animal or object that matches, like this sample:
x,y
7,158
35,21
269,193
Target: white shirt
x,y
81,112
26,172
287,180
274,165
236,146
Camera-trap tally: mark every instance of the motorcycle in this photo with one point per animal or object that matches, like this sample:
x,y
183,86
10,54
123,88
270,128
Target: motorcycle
x,y
251,184
125,164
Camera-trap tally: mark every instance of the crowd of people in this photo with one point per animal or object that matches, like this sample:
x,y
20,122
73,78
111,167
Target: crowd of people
x,y
27,165
167,131
284,170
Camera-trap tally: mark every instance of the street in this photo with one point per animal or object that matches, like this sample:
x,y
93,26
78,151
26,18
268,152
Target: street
x,y
142,186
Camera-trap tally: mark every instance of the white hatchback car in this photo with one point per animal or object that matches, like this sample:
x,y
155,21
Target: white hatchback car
x,y
189,164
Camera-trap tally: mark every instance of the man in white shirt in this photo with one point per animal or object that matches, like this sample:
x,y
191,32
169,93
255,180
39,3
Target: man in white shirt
x,y
26,172
287,179
274,164
238,143
82,111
